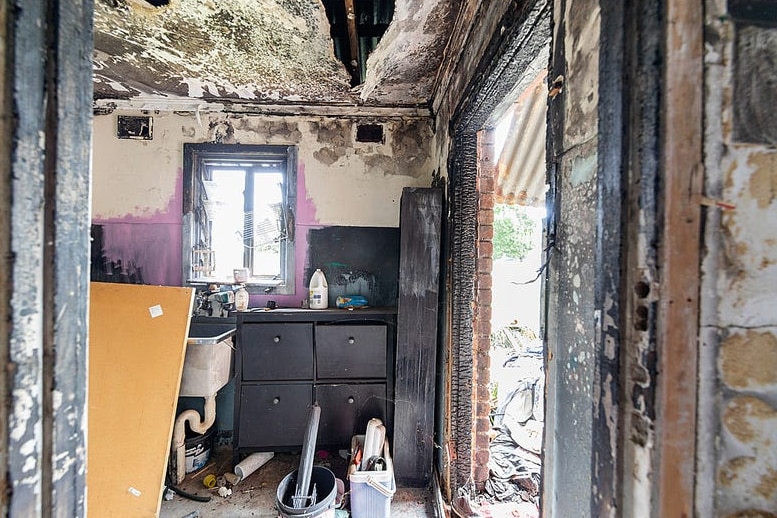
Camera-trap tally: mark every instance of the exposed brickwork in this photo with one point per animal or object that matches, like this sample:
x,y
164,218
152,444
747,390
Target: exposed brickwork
x,y
482,312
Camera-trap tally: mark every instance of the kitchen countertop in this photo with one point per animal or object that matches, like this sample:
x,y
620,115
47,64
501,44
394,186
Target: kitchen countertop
x,y
304,314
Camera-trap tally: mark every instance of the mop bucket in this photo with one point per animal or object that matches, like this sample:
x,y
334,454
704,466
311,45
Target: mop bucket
x,y
326,489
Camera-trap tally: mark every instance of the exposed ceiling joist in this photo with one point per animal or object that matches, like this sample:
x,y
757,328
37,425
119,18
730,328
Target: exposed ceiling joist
x,y
353,40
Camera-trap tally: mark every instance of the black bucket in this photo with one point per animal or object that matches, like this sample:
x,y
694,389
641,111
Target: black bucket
x,y
197,448
326,494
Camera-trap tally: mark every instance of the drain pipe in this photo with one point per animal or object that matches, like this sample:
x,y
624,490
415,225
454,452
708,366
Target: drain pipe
x,y
198,425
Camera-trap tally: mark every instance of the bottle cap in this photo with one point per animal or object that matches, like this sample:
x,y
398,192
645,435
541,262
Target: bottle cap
x,y
209,481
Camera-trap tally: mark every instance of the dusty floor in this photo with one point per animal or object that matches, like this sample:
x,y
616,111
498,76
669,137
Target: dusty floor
x,y
255,496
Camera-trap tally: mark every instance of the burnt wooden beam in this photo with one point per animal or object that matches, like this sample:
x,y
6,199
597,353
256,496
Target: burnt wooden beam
x,y
353,41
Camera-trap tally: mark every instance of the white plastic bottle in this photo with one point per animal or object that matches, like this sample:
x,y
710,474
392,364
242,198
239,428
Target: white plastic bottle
x,y
319,291
241,299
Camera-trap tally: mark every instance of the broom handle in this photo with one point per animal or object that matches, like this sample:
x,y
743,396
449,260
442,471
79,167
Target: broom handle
x,y
308,449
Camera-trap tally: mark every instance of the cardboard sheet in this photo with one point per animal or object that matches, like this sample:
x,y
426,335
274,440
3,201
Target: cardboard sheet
x,y
137,343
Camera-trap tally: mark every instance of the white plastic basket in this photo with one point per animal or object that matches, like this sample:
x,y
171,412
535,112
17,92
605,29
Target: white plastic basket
x,y
372,491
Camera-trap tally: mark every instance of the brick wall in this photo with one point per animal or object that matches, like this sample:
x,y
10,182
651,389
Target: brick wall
x,y
482,310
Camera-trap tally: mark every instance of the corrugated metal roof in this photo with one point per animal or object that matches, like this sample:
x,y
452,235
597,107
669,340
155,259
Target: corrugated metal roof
x,y
520,170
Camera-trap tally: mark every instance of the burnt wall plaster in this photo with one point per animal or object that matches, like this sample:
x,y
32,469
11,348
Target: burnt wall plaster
x,y
278,51
738,411
410,52
216,50
570,332
755,84
578,450
137,185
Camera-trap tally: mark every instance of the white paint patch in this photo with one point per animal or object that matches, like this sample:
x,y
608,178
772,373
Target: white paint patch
x,y
195,87
56,399
30,465
28,448
22,414
62,465
118,86
576,280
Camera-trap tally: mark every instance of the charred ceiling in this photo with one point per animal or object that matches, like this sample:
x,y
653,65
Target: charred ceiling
x,y
271,51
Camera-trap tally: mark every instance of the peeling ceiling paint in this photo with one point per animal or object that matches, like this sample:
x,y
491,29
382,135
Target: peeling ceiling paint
x,y
273,51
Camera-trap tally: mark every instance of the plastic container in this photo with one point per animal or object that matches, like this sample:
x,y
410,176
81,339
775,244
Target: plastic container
x,y
326,490
241,299
372,491
318,291
197,450
240,275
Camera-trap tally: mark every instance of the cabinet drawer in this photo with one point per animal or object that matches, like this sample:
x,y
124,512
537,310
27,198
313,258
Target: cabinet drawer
x,y
274,415
346,409
351,352
277,351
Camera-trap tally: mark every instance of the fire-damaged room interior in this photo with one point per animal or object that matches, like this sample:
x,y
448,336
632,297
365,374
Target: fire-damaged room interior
x,y
374,258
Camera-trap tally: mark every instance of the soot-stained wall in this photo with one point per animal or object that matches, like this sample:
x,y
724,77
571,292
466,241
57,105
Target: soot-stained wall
x,y
137,184
738,411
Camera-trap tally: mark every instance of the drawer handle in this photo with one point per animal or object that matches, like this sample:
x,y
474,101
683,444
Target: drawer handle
x,y
276,400
351,400
351,340
276,339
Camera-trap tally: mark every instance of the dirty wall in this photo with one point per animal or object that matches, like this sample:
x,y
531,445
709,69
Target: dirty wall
x,y
570,327
476,77
137,184
738,391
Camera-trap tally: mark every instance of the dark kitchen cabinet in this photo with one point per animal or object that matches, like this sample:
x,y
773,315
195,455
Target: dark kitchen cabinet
x,y
286,359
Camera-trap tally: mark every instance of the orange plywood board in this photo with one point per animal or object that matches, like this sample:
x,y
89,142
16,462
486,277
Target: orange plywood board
x,y
137,343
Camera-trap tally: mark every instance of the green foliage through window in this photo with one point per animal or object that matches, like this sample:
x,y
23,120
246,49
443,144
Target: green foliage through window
x,y
512,232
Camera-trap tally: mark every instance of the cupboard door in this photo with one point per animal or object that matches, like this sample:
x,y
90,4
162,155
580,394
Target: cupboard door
x,y
273,415
277,351
346,409
350,351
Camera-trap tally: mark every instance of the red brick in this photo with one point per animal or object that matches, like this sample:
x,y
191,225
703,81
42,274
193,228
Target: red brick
x,y
486,232
485,264
485,217
486,183
485,282
486,201
486,248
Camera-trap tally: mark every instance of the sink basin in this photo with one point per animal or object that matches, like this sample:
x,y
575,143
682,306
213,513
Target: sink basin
x,y
206,333
208,363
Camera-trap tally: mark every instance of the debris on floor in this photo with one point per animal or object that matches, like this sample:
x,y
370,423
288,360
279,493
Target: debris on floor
x,y
515,463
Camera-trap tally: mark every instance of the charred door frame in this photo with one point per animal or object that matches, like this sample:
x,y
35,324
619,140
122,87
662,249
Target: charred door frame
x,y
507,58
47,109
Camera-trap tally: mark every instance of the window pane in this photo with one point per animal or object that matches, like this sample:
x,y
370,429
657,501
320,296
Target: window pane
x,y
267,220
238,213
225,200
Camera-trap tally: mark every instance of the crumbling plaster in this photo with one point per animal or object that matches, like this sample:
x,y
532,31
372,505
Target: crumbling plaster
x,y
738,408
277,51
344,182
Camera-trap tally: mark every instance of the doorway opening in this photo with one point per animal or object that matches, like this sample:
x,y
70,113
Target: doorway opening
x,y
517,374
513,85
515,146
